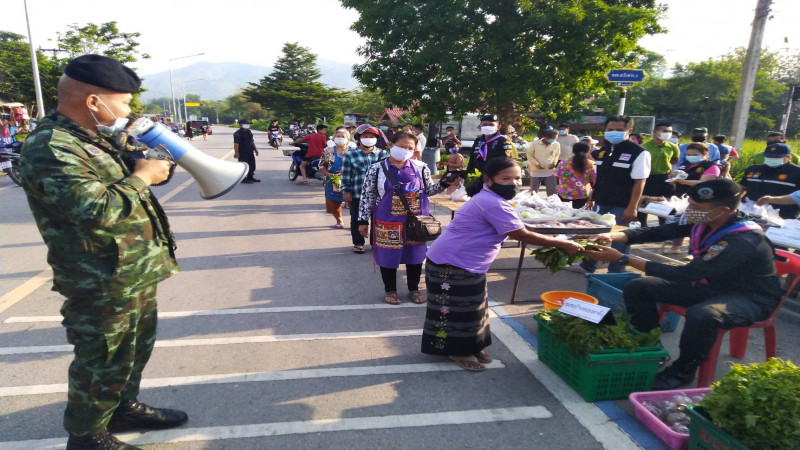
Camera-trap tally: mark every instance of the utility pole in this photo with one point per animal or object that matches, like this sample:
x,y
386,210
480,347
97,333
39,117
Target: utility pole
x,y
787,109
622,95
749,71
37,85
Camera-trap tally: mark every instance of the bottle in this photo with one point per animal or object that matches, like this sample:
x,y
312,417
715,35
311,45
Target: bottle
x,y
634,224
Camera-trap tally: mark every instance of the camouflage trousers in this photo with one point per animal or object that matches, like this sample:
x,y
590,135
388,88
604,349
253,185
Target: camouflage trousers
x,y
113,339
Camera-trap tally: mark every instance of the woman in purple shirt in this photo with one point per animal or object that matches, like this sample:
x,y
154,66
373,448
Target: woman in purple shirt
x,y
457,320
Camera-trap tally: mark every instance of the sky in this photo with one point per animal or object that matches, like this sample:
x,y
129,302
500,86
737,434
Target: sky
x,y
253,31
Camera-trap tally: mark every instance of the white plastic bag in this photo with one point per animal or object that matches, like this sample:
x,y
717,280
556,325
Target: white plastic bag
x,y
460,194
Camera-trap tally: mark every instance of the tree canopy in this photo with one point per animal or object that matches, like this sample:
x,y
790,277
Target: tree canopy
x,y
508,56
292,90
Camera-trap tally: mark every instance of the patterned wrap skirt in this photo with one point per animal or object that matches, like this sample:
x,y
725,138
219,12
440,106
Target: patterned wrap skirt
x,y
457,319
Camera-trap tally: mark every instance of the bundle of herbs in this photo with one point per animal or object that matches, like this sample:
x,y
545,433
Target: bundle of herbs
x,y
758,404
555,259
583,337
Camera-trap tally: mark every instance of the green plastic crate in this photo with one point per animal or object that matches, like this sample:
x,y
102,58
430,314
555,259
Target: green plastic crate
x,y
610,375
704,435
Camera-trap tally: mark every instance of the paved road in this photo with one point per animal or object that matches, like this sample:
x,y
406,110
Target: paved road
x,y
274,335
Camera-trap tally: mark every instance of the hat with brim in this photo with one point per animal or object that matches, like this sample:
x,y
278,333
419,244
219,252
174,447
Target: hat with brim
x,y
714,190
777,150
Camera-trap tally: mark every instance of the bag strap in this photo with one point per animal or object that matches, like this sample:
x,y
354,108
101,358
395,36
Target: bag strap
x,y
396,187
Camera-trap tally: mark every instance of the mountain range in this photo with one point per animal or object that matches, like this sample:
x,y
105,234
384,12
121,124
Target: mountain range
x,y
221,80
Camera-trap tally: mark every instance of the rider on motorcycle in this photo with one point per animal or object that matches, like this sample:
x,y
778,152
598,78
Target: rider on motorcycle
x,y
274,128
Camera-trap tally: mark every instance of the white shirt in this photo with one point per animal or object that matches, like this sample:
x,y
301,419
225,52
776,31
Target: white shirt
x,y
566,142
641,166
423,141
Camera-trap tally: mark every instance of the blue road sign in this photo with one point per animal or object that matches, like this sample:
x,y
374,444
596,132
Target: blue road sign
x,y
630,75
625,83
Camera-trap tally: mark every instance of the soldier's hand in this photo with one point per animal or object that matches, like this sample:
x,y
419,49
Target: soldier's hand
x,y
151,171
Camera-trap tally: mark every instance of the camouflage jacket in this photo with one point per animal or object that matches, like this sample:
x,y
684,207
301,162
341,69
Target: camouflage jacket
x,y
106,234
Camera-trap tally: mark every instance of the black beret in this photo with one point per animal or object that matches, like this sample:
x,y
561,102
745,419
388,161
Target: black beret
x,y
714,190
105,72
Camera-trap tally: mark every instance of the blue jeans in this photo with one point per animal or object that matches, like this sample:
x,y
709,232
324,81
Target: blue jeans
x,y
590,265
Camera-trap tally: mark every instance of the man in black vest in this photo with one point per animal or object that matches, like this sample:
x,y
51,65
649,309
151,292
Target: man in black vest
x,y
622,170
730,283
776,177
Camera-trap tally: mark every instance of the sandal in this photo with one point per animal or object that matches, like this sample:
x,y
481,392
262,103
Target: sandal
x,y
392,298
483,357
469,363
358,249
339,225
417,297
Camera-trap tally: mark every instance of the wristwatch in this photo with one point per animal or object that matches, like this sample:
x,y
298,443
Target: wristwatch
x,y
624,259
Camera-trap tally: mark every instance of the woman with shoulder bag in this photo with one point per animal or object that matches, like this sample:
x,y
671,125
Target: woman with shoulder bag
x,y
379,199
457,321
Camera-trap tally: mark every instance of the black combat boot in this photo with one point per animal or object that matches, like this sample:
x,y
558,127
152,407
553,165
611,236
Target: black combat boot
x,y
100,441
133,415
679,374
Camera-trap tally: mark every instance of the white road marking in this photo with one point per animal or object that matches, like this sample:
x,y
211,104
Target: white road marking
x,y
280,375
224,312
589,416
312,426
23,290
4,351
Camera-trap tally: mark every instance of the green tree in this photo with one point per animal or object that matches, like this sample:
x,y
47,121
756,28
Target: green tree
x,y
16,73
104,39
292,90
361,100
509,56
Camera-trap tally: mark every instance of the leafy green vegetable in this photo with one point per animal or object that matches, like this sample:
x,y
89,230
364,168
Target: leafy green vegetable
x,y
335,179
583,337
472,177
555,259
758,404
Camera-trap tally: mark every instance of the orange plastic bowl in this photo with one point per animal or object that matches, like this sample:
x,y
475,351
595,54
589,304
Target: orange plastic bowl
x,y
554,299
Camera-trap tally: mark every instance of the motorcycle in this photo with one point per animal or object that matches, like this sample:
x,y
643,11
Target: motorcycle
x,y
312,168
275,139
9,161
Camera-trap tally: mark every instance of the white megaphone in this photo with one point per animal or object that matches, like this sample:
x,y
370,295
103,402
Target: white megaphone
x,y
214,176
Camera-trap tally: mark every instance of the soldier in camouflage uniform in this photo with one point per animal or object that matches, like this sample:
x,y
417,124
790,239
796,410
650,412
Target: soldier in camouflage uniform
x,y
109,244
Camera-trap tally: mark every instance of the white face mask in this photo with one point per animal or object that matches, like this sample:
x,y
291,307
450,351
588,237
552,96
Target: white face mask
x,y
673,140
487,130
245,125
369,142
400,154
773,162
119,122
664,136
340,141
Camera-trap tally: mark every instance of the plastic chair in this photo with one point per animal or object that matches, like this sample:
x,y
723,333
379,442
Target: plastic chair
x,y
738,340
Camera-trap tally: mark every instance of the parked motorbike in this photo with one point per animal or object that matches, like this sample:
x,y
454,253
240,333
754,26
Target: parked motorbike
x,y
312,168
9,161
275,139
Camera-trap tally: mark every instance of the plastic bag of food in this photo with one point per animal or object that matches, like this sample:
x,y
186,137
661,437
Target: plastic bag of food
x,y
459,195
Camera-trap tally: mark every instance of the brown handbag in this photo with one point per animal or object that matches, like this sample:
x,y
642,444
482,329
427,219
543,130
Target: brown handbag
x,y
418,228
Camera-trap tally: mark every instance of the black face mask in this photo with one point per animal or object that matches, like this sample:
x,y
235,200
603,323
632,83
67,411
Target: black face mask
x,y
507,191
698,139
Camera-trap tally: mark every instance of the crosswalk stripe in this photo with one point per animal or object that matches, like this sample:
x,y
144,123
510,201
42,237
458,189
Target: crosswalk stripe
x,y
5,351
280,375
224,312
312,426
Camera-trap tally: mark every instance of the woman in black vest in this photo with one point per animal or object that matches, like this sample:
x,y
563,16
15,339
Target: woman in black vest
x,y
699,169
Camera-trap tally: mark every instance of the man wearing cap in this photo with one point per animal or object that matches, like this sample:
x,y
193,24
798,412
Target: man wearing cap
x,y
776,177
109,244
244,150
731,281
700,135
774,137
490,144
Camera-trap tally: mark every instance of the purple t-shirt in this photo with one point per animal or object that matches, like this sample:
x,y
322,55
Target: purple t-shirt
x,y
472,240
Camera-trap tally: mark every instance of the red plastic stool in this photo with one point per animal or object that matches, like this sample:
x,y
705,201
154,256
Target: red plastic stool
x,y
739,336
